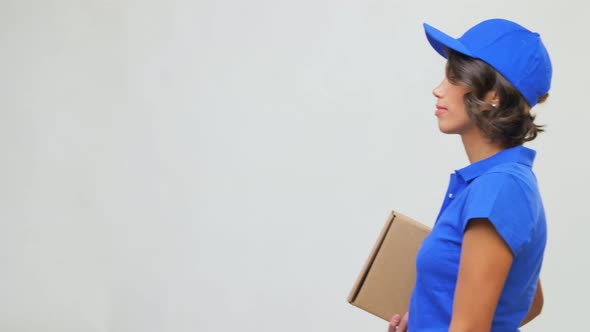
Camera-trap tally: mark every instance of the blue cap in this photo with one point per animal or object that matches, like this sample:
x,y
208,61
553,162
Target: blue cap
x,y
517,53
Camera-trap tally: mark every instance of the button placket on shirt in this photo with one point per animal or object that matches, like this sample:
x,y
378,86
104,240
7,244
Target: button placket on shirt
x,y
456,185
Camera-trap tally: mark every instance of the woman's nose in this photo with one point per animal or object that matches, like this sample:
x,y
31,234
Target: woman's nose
x,y
437,91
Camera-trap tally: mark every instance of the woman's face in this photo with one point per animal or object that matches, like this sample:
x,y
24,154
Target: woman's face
x,y
450,108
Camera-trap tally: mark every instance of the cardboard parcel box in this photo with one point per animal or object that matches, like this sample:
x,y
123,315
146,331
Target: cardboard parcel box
x,y
385,283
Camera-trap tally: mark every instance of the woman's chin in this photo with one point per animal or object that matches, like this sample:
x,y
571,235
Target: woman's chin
x,y
447,130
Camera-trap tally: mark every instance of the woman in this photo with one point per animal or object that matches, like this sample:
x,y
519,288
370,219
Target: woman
x,y
479,268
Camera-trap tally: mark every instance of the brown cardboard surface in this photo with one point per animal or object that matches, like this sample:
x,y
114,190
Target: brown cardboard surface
x,y
385,283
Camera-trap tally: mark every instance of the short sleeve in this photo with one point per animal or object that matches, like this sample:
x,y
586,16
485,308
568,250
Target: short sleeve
x,y
500,198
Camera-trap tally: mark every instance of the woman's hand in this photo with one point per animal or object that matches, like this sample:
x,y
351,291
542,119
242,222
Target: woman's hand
x,y
398,324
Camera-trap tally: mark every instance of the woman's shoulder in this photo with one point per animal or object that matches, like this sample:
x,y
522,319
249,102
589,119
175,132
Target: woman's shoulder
x,y
507,176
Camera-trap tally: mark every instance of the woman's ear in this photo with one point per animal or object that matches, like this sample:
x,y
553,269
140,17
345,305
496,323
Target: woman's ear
x,y
492,98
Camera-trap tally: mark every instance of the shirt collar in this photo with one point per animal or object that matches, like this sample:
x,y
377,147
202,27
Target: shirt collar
x,y
518,154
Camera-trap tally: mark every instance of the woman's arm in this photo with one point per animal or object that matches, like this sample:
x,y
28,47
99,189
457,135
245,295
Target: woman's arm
x,y
536,307
483,269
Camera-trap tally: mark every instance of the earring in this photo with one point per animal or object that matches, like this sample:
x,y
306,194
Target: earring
x,y
494,105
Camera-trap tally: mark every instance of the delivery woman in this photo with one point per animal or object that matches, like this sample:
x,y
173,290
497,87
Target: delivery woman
x,y
479,268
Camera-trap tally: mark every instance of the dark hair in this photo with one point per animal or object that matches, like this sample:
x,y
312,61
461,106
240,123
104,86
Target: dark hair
x,y
510,123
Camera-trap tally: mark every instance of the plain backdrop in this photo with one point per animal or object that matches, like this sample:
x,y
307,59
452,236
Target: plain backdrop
x,y
227,165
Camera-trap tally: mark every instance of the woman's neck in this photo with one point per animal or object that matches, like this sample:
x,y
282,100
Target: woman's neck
x,y
478,147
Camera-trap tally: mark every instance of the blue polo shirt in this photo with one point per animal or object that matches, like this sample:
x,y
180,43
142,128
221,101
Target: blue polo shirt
x,y
503,189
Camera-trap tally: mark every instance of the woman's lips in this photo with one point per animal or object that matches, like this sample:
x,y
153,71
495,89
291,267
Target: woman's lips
x,y
439,110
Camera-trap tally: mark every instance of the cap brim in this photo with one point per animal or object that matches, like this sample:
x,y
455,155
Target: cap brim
x,y
440,41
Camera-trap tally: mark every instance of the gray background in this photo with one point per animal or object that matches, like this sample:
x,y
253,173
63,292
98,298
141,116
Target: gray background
x,y
226,165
